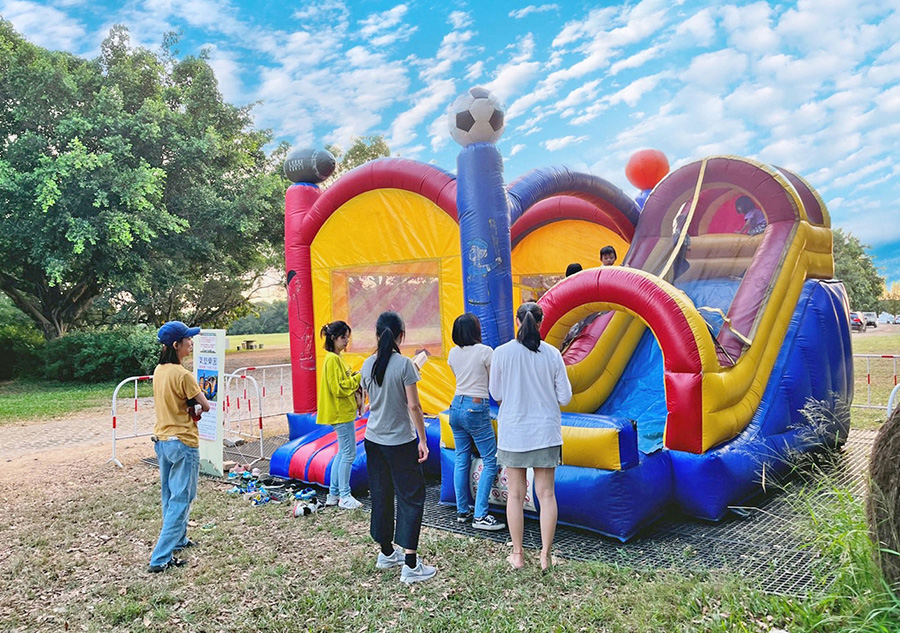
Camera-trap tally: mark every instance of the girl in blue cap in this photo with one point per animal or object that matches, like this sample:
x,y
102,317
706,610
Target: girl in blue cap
x,y
176,441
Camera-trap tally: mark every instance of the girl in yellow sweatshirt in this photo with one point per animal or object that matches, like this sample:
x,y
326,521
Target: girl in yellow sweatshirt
x,y
337,407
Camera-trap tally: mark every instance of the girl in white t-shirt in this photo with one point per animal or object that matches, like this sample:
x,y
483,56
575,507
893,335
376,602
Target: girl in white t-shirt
x,y
528,379
470,420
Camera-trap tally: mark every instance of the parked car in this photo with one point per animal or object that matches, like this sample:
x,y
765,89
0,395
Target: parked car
x,y
884,317
871,318
857,322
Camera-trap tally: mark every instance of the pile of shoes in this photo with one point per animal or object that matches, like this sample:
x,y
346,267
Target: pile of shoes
x,y
308,502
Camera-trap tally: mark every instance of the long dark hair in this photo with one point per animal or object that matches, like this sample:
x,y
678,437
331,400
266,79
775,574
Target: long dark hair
x,y
389,329
530,316
466,330
333,330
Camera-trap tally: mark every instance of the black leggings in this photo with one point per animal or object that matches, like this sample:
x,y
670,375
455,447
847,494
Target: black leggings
x,y
396,471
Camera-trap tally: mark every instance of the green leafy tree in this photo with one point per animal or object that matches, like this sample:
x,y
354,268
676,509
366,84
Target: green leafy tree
x,y
890,299
271,318
854,266
361,151
128,177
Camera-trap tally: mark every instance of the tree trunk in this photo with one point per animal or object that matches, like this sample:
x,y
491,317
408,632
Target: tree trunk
x,y
883,505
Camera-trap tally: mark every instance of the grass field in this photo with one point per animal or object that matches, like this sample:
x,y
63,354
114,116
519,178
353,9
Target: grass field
x,y
32,400
78,561
268,341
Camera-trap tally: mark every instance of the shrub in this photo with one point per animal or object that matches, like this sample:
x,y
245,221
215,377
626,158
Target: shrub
x,y
883,503
101,355
21,347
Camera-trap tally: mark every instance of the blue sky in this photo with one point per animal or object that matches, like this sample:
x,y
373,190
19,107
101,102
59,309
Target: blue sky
x,y
811,85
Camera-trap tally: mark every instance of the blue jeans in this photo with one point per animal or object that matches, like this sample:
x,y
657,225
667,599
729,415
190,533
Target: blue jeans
x,y
339,484
179,467
470,423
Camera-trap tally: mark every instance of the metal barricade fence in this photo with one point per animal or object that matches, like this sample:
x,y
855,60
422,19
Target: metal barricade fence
x,y
880,379
270,387
136,431
238,422
275,387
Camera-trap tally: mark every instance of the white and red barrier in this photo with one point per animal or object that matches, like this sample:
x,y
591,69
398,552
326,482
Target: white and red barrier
x,y
136,431
869,360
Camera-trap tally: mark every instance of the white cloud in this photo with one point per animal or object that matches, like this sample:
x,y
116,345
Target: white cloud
x,y
516,149
511,77
459,20
749,28
525,11
43,25
386,28
633,92
716,70
228,70
635,61
698,30
426,102
475,70
555,144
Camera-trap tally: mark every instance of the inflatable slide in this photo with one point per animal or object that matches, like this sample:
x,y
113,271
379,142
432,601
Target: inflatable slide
x,y
716,351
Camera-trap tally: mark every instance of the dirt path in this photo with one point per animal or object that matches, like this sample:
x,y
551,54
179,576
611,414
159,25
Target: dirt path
x,y
93,427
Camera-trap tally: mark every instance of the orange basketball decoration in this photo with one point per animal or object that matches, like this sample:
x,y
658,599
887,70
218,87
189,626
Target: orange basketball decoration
x,y
646,168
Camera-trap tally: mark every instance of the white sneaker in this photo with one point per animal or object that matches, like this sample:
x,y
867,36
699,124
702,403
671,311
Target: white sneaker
x,y
394,560
332,500
418,574
349,503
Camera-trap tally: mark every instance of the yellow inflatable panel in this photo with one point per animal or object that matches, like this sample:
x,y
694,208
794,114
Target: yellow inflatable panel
x,y
587,447
397,251
540,258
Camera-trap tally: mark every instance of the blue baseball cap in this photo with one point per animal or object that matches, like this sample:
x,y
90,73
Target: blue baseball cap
x,y
175,331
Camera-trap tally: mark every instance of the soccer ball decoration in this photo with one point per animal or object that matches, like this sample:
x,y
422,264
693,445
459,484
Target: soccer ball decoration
x,y
476,117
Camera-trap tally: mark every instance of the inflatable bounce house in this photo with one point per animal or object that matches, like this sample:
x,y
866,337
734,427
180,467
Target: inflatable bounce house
x,y
691,360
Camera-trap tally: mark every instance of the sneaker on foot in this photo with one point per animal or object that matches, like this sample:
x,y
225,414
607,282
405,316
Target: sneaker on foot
x,y
188,544
488,522
394,560
332,500
417,574
174,562
463,517
349,503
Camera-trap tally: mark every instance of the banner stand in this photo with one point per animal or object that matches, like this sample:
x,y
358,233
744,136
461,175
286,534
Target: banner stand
x,y
209,370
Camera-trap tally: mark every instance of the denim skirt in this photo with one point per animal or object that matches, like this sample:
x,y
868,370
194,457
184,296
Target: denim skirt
x,y
549,457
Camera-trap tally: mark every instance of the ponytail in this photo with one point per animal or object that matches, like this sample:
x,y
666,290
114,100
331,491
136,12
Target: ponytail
x,y
530,316
331,331
388,329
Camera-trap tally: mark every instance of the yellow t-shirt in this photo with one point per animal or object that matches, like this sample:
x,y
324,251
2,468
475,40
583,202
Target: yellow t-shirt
x,y
335,402
173,385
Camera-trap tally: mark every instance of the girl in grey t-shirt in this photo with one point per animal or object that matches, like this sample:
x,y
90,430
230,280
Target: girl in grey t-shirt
x,y
395,449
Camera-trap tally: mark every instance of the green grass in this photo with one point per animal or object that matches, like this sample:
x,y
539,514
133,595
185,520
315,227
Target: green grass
x,y
268,341
258,569
23,400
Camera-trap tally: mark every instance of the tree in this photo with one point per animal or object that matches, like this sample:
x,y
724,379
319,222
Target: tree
x,y
362,150
854,266
128,177
890,299
271,318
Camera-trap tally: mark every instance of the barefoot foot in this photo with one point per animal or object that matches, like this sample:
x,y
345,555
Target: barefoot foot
x,y
516,560
547,561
